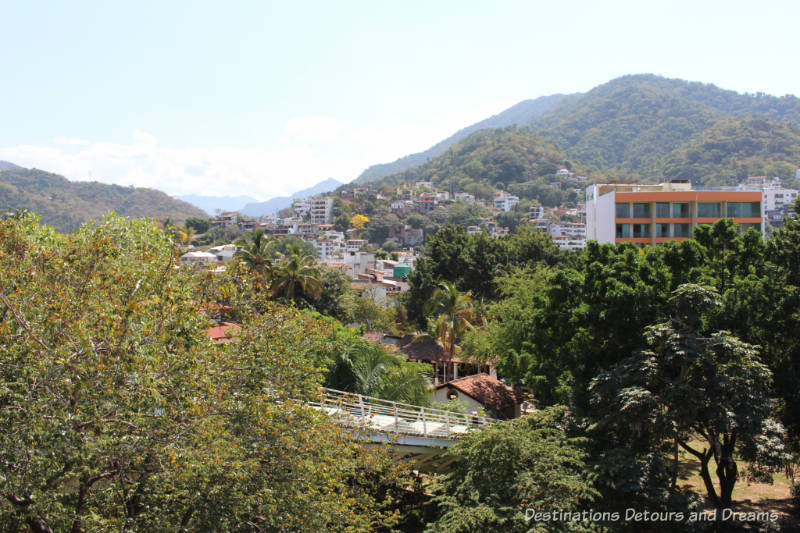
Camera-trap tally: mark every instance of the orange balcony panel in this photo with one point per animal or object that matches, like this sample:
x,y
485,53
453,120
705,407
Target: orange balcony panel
x,y
643,240
634,220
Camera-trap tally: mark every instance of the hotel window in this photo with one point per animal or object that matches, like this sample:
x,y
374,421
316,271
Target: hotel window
x,y
680,211
641,230
744,209
641,210
623,210
662,210
709,209
682,230
623,230
662,230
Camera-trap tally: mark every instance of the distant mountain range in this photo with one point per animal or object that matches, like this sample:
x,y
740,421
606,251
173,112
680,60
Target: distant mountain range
x,y
647,128
65,204
210,204
273,205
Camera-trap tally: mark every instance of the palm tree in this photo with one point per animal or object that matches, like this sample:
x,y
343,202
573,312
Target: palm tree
x,y
454,314
369,370
256,253
296,275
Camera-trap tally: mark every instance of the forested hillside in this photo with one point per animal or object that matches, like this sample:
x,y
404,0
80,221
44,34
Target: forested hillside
x,y
67,204
517,114
512,159
648,128
635,127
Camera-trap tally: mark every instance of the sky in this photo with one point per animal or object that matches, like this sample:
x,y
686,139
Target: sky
x,y
265,98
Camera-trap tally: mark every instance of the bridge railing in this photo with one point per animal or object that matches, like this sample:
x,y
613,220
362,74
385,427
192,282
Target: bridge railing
x,y
397,417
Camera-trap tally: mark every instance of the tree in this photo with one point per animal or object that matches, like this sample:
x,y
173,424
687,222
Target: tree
x,y
502,471
359,221
118,413
257,255
295,276
355,365
453,314
200,225
688,383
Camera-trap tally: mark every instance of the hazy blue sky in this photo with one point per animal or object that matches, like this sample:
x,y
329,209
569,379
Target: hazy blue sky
x,y
264,98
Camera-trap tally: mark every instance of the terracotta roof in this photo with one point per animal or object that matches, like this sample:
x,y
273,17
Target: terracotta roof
x,y
489,391
220,332
421,350
373,336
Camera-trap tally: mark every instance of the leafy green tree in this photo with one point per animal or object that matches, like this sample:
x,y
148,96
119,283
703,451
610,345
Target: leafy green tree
x,y
504,470
200,225
357,366
118,413
688,383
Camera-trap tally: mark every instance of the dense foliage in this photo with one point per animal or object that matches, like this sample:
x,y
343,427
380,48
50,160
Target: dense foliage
x,y
118,413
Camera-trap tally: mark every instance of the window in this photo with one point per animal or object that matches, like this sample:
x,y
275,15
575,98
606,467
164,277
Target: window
x,y
641,210
662,230
682,230
623,210
680,211
623,230
662,210
709,209
641,230
744,209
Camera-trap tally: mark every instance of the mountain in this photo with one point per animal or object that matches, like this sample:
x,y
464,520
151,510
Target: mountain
x,y
210,204
648,128
5,165
67,204
634,126
518,114
513,159
273,205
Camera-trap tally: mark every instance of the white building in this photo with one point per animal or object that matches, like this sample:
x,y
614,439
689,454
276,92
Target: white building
x,y
536,212
569,242
358,263
301,207
224,252
505,201
322,210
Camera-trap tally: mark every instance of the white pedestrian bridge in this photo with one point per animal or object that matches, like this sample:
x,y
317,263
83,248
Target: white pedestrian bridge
x,y
420,434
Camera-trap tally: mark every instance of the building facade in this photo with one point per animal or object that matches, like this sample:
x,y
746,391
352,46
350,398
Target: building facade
x,y
652,214
322,210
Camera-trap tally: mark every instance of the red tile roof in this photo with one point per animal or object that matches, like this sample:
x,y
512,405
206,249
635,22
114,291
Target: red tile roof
x,y
225,330
489,391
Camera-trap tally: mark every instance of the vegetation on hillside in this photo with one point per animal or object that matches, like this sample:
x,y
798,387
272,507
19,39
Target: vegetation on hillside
x,y
67,204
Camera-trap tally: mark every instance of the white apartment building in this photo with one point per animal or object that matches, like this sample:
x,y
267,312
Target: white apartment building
x,y
536,212
301,207
322,210
569,242
505,201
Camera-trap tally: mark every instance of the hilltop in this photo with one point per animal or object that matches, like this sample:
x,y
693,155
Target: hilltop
x,y
67,204
646,127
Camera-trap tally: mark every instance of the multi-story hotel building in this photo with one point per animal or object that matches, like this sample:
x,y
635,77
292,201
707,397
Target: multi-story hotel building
x,y
651,214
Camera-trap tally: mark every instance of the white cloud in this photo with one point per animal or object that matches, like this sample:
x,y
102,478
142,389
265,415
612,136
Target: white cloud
x,y
310,149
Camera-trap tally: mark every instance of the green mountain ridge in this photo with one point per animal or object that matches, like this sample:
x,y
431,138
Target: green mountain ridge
x,y
67,204
648,128
517,114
